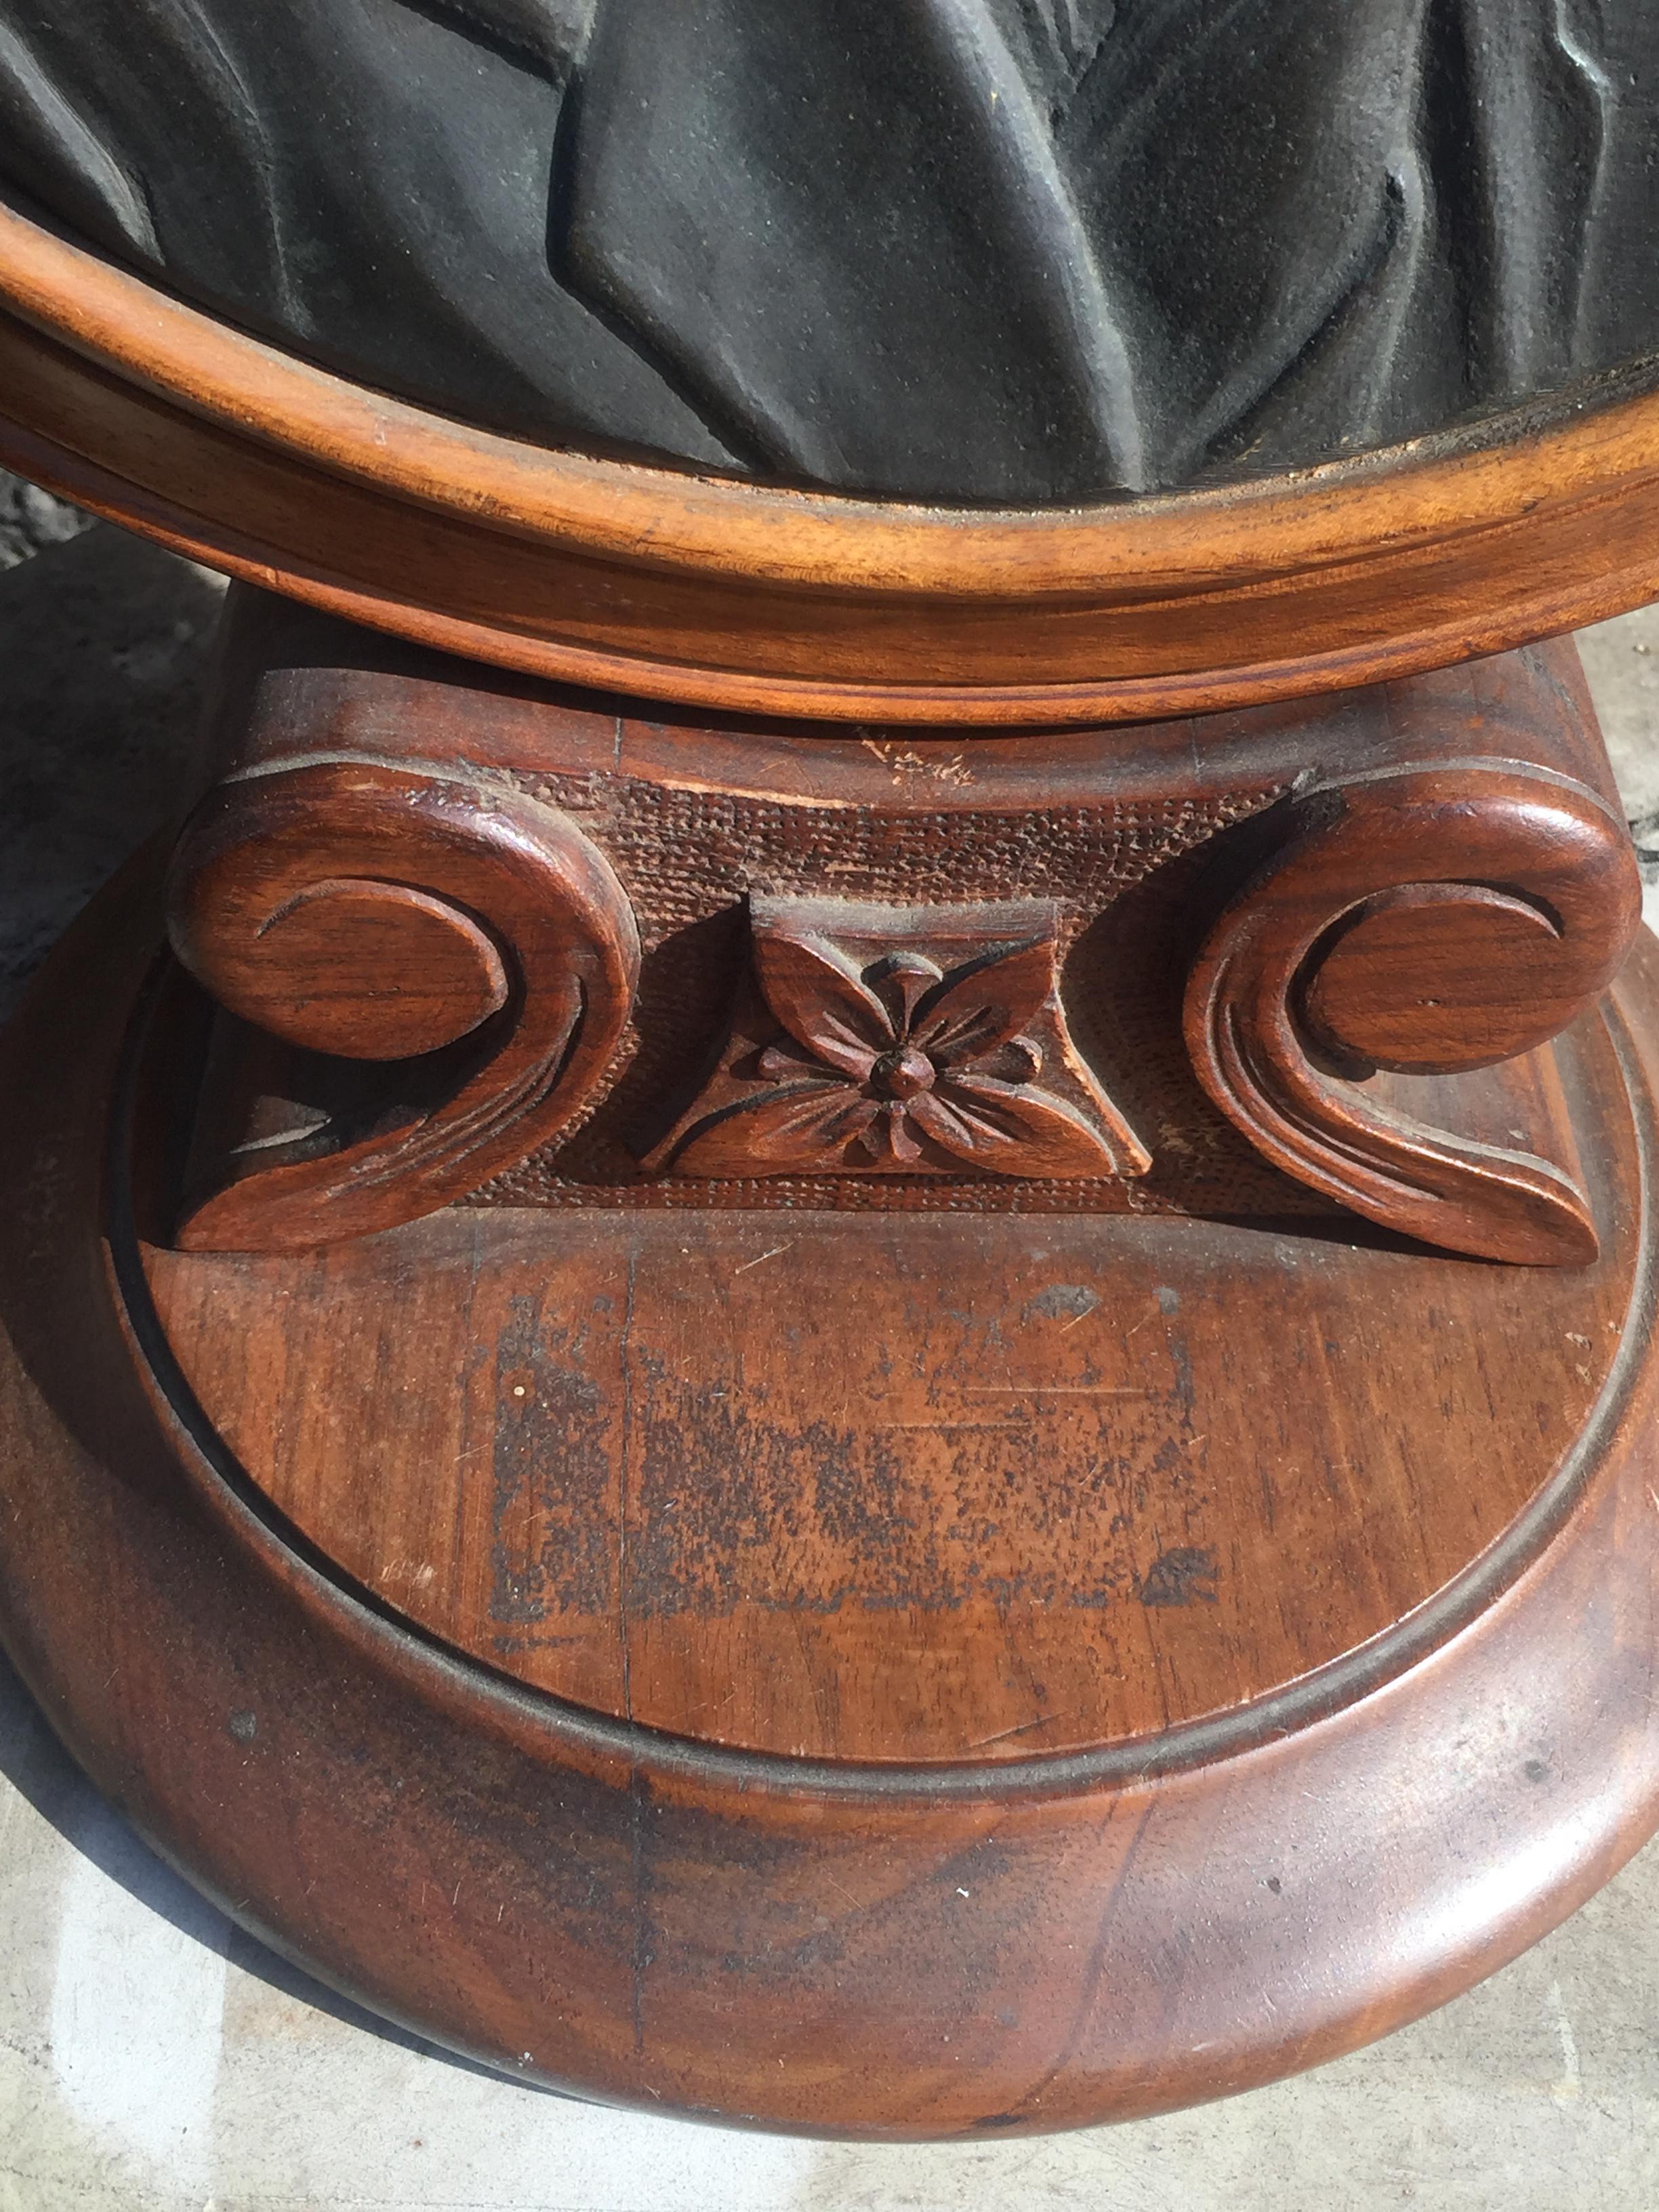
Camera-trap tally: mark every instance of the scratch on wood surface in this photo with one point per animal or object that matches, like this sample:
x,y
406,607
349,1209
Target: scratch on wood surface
x,y
755,1262
1054,1390
1020,1728
953,1424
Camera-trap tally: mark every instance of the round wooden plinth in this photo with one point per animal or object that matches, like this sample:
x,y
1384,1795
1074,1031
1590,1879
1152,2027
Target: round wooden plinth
x,y
894,1676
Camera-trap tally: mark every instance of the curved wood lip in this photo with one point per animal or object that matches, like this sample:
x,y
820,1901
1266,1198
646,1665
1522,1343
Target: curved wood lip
x,y
830,704
1499,1867
236,1501
1444,485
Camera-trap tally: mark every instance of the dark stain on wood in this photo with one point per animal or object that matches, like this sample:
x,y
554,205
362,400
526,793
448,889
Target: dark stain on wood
x,y
1185,1576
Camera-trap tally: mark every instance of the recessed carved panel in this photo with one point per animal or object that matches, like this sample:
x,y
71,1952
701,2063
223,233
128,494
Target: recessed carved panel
x,y
878,1040
480,946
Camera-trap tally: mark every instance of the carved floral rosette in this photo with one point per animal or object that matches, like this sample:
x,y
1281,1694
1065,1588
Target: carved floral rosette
x,y
873,1040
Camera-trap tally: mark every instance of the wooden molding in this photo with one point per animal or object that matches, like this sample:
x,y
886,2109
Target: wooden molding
x,y
1431,921
459,929
730,594
400,954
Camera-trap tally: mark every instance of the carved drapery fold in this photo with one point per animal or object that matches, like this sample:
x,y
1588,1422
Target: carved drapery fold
x,y
1427,921
468,936
1006,251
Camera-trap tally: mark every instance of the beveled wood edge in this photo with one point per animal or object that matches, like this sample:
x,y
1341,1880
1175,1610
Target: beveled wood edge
x,y
1557,846
1274,559
216,1472
939,708
514,876
1403,1855
1325,1692
1376,1978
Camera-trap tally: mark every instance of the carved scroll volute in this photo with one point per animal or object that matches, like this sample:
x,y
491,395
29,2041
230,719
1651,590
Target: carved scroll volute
x,y
470,934
1428,922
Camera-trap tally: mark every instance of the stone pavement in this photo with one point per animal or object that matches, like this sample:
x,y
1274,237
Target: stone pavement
x,y
155,2059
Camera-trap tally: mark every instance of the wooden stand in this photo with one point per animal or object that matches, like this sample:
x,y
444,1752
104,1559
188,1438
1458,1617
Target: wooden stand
x,y
885,1433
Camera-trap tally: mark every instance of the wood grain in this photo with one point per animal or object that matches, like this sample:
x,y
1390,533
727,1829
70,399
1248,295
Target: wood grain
x,y
940,1948
406,859
1333,963
368,912
903,1673
736,595
895,1488
900,1041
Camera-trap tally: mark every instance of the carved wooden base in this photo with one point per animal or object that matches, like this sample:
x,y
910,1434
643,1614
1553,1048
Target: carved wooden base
x,y
904,1672
468,940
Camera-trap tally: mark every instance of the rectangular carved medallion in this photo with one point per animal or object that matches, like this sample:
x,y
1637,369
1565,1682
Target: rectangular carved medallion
x,y
885,1040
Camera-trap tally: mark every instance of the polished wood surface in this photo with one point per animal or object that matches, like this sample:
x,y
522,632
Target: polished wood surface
x,y
1430,922
521,946
513,942
902,1487
913,1041
738,1410
1319,1831
735,595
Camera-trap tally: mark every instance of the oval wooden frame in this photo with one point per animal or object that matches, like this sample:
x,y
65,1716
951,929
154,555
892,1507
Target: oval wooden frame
x,y
719,594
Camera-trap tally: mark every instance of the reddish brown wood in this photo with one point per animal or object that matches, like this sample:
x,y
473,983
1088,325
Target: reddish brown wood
x,y
988,1013
901,1041
859,1633
733,595
926,1488
353,908
1435,978
1277,1837
353,966
1427,921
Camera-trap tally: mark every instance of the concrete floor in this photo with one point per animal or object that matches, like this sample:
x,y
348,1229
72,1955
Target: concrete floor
x,y
153,2059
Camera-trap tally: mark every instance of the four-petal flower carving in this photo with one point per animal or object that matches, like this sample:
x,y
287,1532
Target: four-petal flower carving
x,y
904,1065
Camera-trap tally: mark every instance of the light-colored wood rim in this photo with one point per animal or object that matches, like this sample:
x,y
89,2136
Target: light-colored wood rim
x,y
717,591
